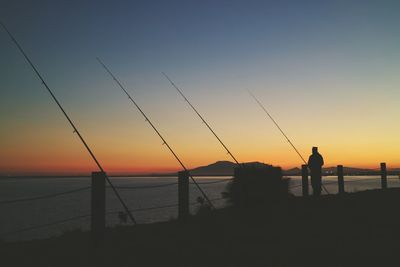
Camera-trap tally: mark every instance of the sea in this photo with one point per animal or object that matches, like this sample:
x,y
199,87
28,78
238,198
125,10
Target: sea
x,y
36,208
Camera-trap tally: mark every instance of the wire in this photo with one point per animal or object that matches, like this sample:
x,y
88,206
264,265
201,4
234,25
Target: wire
x,y
146,186
216,182
45,225
346,181
134,210
147,208
164,206
88,215
43,196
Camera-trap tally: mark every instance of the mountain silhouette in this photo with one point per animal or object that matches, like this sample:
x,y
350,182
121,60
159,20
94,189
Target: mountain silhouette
x,y
217,168
220,168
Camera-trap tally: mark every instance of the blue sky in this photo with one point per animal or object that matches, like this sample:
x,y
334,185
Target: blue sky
x,y
327,69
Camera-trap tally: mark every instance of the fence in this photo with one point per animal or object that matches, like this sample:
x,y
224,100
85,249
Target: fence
x,y
340,179
98,211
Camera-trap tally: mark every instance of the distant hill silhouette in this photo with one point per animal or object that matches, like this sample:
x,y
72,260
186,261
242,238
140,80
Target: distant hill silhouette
x,y
220,168
217,168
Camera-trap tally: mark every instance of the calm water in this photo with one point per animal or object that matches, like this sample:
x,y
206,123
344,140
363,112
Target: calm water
x,y
23,215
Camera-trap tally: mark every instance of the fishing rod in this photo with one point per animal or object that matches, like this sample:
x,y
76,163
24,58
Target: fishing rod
x,y
70,121
282,132
155,129
202,119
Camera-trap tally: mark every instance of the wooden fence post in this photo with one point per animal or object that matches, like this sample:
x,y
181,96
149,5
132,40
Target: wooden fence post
x,y
340,179
183,195
383,176
98,206
304,180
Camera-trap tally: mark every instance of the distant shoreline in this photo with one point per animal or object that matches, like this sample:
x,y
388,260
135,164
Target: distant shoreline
x,y
164,176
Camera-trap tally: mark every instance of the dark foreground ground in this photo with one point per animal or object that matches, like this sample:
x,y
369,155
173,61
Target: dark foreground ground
x,y
358,229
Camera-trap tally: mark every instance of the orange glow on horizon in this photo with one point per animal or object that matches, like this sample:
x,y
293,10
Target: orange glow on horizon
x,y
83,166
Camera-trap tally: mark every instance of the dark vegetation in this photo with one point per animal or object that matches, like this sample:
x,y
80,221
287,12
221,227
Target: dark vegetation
x,y
257,185
274,229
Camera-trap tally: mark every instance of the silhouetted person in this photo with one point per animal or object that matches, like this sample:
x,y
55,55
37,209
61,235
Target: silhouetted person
x,y
315,163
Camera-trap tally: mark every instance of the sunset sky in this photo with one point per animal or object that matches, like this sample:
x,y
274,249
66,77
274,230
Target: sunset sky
x,y
328,71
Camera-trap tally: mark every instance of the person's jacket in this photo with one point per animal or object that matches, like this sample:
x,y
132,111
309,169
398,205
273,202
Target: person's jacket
x,y
315,162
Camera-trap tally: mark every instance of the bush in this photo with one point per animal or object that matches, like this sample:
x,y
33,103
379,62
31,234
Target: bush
x,y
257,185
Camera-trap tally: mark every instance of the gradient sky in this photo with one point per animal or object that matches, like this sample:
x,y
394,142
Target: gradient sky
x,y
327,70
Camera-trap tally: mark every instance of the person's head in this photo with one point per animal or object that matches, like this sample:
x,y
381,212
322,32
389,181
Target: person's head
x,y
315,150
